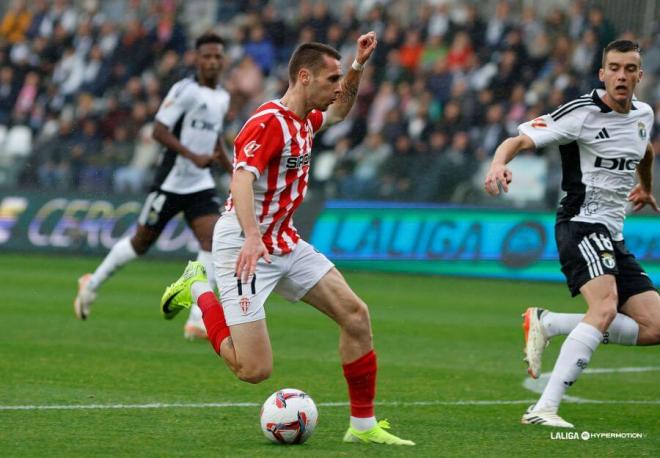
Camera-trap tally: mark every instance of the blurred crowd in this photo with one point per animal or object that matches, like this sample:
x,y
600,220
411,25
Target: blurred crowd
x,y
79,86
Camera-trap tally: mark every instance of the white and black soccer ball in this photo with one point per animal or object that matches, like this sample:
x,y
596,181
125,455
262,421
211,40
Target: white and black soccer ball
x,y
289,416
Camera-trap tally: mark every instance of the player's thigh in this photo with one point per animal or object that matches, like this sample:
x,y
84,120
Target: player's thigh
x,y
242,302
333,296
600,294
586,253
202,210
644,308
254,355
202,227
631,279
313,278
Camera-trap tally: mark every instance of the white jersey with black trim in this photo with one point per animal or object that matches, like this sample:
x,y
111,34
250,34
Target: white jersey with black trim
x,y
195,115
600,149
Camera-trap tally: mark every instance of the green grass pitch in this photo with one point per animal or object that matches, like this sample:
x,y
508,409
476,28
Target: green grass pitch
x,y
450,371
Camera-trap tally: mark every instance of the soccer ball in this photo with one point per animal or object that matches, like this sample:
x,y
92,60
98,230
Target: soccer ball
x,y
288,416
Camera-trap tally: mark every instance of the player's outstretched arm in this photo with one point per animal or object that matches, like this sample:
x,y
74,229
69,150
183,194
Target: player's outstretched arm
x,y
642,193
253,248
349,85
498,175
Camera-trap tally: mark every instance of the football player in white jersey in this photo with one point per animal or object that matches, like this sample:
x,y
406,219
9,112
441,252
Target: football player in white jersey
x,y
604,141
189,126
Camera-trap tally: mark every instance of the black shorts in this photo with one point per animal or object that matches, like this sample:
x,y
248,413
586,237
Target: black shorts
x,y
161,206
587,251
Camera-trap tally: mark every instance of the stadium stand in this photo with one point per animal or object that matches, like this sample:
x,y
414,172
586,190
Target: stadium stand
x,y
80,82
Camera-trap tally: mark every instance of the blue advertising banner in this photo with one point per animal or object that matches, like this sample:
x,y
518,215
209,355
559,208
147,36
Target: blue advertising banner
x,y
459,241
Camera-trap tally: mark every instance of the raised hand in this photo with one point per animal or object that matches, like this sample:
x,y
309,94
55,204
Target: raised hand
x,y
365,47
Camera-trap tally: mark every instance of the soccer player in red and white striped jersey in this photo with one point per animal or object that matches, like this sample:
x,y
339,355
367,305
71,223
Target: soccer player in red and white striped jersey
x,y
275,146
257,250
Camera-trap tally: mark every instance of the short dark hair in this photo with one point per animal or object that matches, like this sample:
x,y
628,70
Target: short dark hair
x,y
620,46
209,38
310,55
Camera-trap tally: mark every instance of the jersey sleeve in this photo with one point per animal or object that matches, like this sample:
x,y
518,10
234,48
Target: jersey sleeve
x,y
546,130
176,103
257,144
317,119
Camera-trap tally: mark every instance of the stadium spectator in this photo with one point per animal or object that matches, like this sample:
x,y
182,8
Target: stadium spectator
x,y
8,93
545,57
260,48
16,22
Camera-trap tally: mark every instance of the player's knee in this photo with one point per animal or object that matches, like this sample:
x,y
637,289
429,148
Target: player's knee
x,y
253,375
607,305
140,245
654,333
604,315
357,319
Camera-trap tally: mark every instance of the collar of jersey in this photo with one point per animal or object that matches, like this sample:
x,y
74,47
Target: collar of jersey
x,y
605,108
286,110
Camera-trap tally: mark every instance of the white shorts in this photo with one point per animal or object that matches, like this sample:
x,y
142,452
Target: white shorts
x,y
291,275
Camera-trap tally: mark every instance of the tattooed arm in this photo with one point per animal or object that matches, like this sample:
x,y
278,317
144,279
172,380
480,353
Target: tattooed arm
x,y
349,84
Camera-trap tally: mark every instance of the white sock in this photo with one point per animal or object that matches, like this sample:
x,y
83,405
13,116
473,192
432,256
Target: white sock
x,y
623,330
121,253
197,289
363,424
559,324
573,358
206,258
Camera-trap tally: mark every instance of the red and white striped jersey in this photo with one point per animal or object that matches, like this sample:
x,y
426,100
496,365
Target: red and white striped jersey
x,y
275,145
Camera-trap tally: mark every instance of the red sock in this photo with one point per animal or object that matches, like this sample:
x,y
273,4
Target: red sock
x,y
361,378
214,319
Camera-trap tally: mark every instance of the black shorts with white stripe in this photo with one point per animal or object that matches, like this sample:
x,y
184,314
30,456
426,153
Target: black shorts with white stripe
x,y
587,251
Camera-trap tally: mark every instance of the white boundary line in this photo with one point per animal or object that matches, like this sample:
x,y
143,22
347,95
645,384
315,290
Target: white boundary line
x,y
530,384
538,385
221,405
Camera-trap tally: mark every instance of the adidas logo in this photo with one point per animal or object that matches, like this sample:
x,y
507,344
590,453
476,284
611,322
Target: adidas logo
x,y
603,133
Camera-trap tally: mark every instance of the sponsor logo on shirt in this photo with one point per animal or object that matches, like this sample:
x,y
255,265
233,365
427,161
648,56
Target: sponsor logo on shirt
x,y
203,125
295,162
616,163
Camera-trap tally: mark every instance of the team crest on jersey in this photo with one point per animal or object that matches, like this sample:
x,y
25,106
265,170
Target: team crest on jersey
x,y
250,148
641,129
608,260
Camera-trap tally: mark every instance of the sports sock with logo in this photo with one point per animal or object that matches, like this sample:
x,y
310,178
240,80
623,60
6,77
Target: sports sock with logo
x,y
623,330
121,253
361,378
574,357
